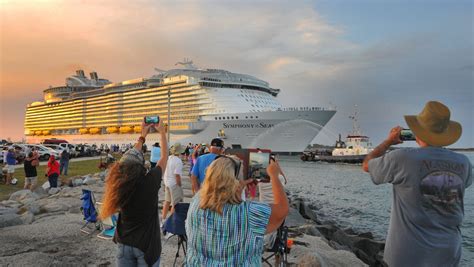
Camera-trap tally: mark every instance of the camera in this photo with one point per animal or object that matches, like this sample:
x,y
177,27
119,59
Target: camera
x,y
255,163
152,119
407,135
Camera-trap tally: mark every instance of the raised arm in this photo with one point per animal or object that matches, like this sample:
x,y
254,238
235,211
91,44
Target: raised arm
x,y
280,206
392,139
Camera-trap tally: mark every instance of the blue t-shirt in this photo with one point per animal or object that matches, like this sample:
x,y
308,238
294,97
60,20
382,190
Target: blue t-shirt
x,y
427,204
155,154
11,160
199,169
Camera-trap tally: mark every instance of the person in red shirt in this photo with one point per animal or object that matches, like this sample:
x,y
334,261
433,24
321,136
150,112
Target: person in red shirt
x,y
52,172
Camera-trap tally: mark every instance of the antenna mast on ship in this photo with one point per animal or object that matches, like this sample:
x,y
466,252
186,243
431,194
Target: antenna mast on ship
x,y
187,63
355,123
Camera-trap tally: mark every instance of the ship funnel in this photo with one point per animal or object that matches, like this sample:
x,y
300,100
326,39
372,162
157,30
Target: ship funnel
x,y
94,76
80,73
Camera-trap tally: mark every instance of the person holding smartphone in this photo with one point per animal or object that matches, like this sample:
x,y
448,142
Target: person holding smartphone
x,y
222,229
132,192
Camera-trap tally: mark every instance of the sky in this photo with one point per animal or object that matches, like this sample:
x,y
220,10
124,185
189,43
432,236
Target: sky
x,y
385,59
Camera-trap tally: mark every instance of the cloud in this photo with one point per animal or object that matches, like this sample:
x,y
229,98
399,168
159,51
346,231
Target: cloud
x,y
287,43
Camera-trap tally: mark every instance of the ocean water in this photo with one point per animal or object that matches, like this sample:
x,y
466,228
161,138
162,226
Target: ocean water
x,y
346,195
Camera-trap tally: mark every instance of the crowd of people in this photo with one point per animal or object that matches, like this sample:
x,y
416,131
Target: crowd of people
x,y
226,229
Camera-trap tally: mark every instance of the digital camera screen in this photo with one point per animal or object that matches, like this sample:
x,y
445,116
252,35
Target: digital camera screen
x,y
258,163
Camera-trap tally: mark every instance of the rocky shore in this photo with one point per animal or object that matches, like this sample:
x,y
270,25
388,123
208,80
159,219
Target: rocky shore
x,y
42,228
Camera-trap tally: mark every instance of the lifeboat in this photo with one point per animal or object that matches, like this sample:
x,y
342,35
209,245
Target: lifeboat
x,y
45,132
112,129
125,129
38,132
137,129
94,130
83,130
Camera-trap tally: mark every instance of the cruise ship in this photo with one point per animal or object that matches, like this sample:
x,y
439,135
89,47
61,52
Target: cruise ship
x,y
197,104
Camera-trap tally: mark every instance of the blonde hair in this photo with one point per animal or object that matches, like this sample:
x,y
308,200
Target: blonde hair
x,y
220,186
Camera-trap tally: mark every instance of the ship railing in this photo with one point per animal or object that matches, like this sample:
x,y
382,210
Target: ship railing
x,y
301,109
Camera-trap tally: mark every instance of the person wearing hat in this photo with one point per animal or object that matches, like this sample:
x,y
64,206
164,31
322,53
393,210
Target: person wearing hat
x,y
172,180
428,190
199,169
132,191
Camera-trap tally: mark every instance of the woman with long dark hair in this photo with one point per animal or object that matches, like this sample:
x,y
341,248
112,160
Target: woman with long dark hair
x,y
133,192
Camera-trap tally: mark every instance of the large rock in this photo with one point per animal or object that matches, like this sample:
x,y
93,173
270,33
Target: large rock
x,y
294,219
78,182
10,219
27,217
88,180
33,207
23,194
54,190
316,252
41,192
365,248
308,229
327,230
11,204
304,210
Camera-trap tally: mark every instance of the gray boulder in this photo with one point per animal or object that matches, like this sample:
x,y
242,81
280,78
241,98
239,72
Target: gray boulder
x,y
23,194
27,217
294,219
8,210
88,180
41,192
10,219
33,207
308,229
11,204
77,182
54,190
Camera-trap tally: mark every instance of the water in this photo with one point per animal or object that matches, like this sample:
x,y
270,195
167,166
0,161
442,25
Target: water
x,y
345,194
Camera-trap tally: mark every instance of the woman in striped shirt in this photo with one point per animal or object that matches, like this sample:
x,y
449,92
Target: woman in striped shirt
x,y
223,230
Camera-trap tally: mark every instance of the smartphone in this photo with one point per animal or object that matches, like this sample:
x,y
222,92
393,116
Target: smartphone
x,y
407,135
152,119
258,163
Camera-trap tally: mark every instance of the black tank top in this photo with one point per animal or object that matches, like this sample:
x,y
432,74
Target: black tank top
x,y
30,170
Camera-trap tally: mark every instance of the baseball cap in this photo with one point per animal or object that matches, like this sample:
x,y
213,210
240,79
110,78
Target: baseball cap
x,y
217,142
177,149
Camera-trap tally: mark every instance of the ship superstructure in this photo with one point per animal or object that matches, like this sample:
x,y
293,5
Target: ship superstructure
x,y
202,103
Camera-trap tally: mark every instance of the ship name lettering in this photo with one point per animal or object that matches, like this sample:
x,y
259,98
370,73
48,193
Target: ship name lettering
x,y
246,125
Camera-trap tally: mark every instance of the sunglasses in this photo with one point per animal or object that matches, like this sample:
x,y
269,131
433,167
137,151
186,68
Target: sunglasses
x,y
234,162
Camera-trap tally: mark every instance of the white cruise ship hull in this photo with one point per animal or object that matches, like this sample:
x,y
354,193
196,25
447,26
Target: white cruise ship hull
x,y
280,131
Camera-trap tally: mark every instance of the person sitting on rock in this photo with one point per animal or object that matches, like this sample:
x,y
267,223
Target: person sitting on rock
x,y
133,192
222,229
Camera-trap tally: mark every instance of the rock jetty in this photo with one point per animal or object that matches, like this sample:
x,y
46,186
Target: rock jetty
x,y
42,228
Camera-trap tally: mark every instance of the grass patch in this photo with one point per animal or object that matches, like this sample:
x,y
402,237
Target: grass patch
x,y
75,168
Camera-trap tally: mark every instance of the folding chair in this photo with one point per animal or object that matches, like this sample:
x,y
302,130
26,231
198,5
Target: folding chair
x,y
280,248
175,225
89,211
107,225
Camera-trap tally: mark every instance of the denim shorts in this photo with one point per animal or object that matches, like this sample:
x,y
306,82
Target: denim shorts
x,y
131,256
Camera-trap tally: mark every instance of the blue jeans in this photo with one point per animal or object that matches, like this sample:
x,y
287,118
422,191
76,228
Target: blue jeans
x,y
130,256
53,180
63,165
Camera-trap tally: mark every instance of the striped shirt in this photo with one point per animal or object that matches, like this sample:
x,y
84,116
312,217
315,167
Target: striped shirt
x,y
234,238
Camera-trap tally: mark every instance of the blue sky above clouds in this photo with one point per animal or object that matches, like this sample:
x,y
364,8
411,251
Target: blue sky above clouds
x,y
386,57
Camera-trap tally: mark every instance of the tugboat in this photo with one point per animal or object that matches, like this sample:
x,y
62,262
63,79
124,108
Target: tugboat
x,y
353,150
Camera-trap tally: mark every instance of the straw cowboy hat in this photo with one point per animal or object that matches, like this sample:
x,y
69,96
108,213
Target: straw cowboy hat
x,y
433,125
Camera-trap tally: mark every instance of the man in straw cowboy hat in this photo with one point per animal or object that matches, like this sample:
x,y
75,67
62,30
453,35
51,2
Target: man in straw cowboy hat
x,y
428,189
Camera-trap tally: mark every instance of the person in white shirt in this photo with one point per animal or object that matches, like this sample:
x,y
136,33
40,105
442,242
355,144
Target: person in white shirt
x,y
172,180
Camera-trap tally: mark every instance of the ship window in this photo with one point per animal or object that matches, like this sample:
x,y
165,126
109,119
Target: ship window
x,y
256,117
215,118
251,117
228,118
237,117
246,117
220,118
232,117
